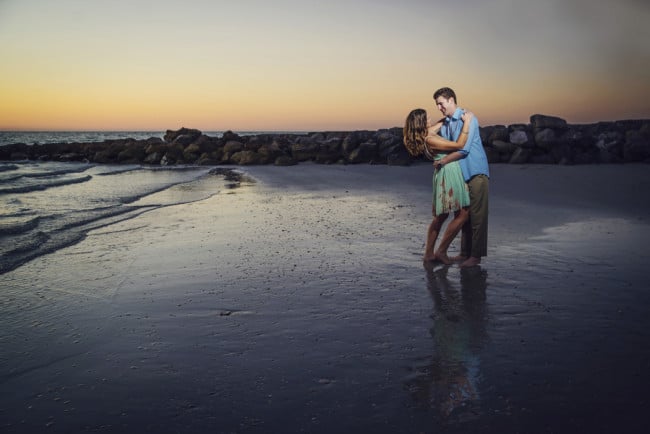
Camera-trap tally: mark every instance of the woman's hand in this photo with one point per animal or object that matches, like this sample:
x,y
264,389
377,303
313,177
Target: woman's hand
x,y
467,116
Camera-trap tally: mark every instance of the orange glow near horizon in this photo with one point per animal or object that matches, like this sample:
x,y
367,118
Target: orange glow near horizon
x,y
308,67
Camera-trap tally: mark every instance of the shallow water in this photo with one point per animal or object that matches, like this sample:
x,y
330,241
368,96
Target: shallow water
x,y
46,206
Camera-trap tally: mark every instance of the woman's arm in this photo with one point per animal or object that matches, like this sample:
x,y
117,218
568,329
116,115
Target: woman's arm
x,y
439,143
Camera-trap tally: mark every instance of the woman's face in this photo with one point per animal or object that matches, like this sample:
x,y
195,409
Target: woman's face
x,y
429,122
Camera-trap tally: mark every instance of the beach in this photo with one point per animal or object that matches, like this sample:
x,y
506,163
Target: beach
x,y
295,300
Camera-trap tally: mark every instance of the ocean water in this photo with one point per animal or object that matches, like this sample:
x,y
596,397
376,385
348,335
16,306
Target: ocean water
x,y
42,137
45,206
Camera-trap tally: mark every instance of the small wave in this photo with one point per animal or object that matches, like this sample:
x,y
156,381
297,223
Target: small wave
x,y
42,186
57,172
34,244
8,167
120,171
47,174
28,243
18,227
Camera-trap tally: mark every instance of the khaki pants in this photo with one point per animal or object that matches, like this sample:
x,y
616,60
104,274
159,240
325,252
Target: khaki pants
x,y
473,241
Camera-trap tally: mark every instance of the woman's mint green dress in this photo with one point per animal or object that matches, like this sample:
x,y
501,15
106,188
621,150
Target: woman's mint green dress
x,y
450,192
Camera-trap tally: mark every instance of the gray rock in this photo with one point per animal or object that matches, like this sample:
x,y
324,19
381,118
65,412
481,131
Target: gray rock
x,y
183,136
245,158
365,153
520,156
493,155
539,122
233,146
546,138
153,158
400,157
497,132
503,147
305,149
636,147
609,140
520,138
285,160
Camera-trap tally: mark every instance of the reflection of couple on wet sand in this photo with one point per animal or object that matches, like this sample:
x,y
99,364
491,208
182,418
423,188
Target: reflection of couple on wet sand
x,y
449,382
460,181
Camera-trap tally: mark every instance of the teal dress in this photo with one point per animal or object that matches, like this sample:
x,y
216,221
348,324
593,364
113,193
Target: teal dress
x,y
450,192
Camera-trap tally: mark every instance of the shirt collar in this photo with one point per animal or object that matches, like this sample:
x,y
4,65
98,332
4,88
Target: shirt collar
x,y
456,116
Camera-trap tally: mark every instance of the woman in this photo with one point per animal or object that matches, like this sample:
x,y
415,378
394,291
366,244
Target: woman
x,y
450,193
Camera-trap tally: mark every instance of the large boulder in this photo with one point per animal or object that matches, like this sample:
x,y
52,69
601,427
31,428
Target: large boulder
x,y
497,132
546,138
329,151
520,156
520,136
504,147
269,152
183,137
173,155
233,146
539,122
229,135
285,160
353,140
245,158
493,156
398,157
305,149
365,153
133,153
153,158
636,147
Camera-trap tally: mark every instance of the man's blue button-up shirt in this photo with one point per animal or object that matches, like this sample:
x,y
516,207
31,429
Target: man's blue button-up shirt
x,y
475,161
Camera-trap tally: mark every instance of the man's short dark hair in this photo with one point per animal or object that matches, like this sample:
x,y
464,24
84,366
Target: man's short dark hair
x,y
445,92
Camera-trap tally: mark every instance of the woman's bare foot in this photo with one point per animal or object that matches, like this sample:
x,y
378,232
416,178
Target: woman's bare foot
x,y
458,258
472,261
442,257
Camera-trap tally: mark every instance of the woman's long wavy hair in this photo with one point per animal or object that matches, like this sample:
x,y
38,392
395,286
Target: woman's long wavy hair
x,y
415,132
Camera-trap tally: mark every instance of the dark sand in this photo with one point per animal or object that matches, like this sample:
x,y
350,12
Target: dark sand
x,y
299,303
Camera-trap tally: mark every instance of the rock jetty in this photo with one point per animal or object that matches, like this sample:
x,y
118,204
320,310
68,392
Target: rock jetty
x,y
545,140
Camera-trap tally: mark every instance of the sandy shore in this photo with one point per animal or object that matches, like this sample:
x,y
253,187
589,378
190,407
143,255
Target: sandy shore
x,y
299,303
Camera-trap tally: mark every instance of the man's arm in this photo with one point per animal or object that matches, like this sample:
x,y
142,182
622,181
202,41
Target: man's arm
x,y
472,133
454,156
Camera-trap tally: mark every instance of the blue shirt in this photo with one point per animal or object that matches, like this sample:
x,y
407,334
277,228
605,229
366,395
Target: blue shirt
x,y
475,161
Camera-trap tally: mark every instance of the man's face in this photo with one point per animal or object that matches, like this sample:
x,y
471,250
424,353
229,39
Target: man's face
x,y
446,106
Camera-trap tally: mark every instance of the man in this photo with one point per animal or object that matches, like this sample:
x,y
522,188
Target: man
x,y
476,173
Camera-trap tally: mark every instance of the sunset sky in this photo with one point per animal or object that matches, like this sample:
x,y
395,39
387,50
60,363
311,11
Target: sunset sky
x,y
316,65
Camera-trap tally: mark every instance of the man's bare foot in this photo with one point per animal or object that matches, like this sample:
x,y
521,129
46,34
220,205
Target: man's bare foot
x,y
458,258
429,258
442,257
472,261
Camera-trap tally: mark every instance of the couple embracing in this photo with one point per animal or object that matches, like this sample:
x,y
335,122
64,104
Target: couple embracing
x,y
460,180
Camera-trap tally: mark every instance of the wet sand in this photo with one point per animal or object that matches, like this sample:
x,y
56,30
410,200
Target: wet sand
x,y
299,303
